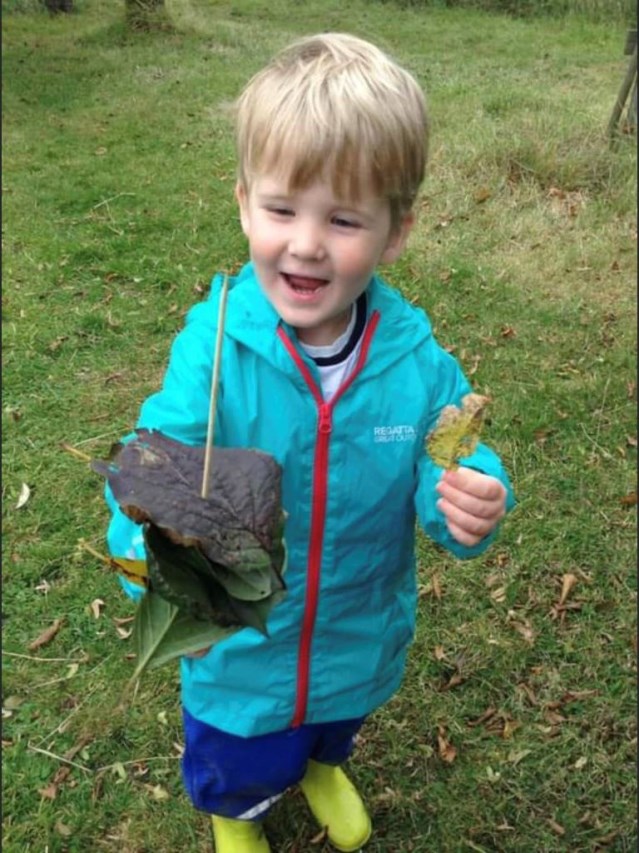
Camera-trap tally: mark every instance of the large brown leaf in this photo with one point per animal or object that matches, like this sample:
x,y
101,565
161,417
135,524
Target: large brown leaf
x,y
157,479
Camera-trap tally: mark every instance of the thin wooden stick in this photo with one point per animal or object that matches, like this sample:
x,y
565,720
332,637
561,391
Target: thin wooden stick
x,y
215,381
59,758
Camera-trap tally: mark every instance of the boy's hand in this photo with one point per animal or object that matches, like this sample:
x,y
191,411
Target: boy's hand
x,y
472,503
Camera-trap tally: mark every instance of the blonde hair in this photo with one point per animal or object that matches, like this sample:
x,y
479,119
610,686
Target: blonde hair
x,y
335,104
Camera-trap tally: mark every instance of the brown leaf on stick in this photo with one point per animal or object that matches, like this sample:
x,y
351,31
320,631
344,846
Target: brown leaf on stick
x,y
46,636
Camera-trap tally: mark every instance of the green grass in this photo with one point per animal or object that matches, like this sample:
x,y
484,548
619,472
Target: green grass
x,y
118,208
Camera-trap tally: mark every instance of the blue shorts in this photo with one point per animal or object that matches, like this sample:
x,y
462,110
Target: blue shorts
x,y
242,777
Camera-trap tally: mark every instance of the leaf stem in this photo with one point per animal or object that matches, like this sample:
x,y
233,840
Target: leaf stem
x,y
215,381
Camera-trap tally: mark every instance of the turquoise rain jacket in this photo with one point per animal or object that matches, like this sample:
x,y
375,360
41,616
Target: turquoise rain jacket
x,y
355,475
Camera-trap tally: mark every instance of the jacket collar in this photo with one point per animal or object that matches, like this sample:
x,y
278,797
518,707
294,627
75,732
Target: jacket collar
x,y
252,320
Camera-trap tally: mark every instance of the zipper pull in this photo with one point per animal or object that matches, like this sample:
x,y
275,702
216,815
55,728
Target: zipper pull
x,y
325,425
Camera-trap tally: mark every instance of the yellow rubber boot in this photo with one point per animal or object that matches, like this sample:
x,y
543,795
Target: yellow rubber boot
x,y
238,836
335,804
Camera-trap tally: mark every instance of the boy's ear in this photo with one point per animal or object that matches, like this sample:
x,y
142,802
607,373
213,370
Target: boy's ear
x,y
242,202
398,238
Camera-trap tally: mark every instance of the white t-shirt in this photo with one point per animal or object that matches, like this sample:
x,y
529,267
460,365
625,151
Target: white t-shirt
x,y
336,361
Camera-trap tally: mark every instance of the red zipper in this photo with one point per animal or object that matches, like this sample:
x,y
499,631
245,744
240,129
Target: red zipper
x,y
318,512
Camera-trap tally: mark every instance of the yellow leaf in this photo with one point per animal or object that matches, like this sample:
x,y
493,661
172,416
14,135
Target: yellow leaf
x,y
135,571
457,432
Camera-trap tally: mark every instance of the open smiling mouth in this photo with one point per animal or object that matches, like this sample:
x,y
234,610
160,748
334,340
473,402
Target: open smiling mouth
x,y
304,285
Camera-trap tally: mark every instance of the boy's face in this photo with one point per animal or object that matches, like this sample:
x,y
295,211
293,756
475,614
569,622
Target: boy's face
x,y
315,254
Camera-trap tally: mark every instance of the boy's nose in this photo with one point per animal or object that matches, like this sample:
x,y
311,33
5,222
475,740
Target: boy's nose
x,y
307,242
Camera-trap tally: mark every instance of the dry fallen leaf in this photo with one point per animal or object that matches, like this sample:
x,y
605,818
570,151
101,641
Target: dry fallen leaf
x,y
437,589
97,605
62,829
46,636
320,837
455,680
123,620
447,751
157,792
524,630
481,195
527,689
440,654
515,757
554,717
567,583
488,713
556,827
50,792
25,494
510,727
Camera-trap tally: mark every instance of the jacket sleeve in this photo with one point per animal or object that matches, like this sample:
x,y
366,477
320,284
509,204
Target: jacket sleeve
x,y
448,385
179,410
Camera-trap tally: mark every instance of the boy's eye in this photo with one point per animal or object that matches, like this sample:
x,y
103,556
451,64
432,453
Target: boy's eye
x,y
343,222
280,211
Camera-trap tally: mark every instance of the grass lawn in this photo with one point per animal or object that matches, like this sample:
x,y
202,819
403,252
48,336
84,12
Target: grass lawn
x,y
515,729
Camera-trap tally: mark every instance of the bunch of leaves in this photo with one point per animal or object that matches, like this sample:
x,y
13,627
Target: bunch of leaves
x,y
214,564
457,431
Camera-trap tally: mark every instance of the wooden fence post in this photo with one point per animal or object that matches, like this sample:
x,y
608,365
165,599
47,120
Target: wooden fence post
x,y
627,84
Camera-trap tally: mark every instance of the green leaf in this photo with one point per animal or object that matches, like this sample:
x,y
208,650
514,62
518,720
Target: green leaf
x,y
248,586
163,632
253,614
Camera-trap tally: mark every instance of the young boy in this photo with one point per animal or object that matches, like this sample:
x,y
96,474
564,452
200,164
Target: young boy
x,y
329,370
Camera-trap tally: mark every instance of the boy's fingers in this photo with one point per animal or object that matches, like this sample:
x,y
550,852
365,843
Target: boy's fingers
x,y
473,482
471,524
472,504
463,536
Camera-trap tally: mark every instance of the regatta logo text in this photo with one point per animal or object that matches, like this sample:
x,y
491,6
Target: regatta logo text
x,y
403,432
